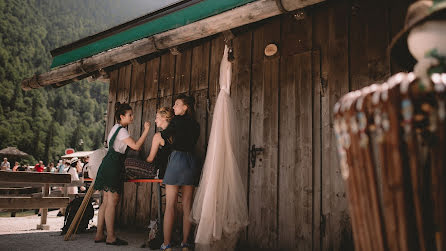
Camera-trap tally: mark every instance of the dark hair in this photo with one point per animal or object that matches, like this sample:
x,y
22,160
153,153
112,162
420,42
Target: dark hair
x,y
121,109
189,101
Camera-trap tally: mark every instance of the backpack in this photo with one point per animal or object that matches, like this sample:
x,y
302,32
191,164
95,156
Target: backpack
x,y
71,211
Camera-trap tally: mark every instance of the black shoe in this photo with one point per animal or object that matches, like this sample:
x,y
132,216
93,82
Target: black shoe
x,y
118,242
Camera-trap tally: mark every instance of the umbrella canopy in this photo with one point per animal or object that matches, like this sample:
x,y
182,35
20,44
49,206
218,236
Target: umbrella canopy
x,y
12,151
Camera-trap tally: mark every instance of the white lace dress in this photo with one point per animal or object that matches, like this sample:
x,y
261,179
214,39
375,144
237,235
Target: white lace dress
x,y
220,207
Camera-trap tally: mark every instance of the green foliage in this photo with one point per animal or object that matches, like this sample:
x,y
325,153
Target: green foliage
x,y
45,121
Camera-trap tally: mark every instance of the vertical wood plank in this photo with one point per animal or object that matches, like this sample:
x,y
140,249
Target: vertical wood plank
x,y
368,43
167,77
201,117
200,66
264,133
144,190
128,198
295,154
241,98
122,96
218,46
240,94
125,77
114,78
317,153
183,71
331,36
152,79
138,79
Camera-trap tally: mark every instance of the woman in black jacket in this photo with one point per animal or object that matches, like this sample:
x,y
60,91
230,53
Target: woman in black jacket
x,y
182,169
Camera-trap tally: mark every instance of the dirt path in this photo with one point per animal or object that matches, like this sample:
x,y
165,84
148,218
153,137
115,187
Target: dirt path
x,y
19,233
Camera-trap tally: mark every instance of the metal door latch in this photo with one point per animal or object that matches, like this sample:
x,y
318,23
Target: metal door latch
x,y
254,151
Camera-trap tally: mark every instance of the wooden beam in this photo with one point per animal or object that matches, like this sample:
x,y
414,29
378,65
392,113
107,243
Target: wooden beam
x,y
245,14
34,177
32,203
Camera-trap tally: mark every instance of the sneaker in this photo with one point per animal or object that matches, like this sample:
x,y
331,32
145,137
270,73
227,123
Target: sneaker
x,y
186,247
165,247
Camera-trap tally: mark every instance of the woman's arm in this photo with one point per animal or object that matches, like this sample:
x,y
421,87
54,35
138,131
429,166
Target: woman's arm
x,y
156,142
137,145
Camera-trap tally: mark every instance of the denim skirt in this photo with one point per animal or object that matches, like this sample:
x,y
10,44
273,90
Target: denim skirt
x,y
182,169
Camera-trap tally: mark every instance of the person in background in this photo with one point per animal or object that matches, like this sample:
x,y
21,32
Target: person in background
x,y
5,165
16,166
60,166
51,168
39,167
22,168
85,167
72,170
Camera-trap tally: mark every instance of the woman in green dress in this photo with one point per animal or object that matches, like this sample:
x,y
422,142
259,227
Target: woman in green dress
x,y
109,177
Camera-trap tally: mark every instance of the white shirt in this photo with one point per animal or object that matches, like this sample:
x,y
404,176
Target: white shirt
x,y
74,176
119,145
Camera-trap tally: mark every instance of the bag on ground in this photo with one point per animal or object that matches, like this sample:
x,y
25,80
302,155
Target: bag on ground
x,y
71,211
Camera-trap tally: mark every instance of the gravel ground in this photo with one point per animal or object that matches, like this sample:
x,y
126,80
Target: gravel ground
x,y
19,233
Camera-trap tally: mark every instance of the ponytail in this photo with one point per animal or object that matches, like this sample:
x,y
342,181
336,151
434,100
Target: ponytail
x,y
121,109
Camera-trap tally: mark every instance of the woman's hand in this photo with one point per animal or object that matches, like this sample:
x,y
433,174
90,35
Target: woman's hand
x,y
146,125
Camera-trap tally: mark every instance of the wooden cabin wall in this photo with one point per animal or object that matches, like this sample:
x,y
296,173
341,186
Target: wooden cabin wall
x,y
296,195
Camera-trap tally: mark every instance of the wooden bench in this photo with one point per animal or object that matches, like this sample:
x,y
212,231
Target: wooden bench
x,y
26,179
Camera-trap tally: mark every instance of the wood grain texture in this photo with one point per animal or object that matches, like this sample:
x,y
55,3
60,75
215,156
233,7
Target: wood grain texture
x,y
152,79
138,79
295,153
264,133
317,152
32,203
114,79
331,36
34,177
217,45
125,78
367,42
167,75
200,66
183,71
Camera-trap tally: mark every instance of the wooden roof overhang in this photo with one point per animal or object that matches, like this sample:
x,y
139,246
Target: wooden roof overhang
x,y
94,62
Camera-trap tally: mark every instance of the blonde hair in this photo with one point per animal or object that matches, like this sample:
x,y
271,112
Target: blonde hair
x,y
166,112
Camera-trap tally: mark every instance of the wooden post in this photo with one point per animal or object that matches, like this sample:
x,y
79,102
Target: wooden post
x,y
43,217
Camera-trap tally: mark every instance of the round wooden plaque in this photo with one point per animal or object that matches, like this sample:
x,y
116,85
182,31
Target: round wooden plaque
x,y
270,50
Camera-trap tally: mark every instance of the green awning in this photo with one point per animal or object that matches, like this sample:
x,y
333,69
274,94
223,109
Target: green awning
x,y
170,21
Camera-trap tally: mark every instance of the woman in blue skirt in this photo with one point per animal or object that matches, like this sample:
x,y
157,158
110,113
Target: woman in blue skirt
x,y
182,169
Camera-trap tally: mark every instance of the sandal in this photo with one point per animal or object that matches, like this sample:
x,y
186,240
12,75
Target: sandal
x,y
166,248
118,242
99,241
186,247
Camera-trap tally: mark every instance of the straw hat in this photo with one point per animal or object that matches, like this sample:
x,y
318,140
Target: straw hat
x,y
417,13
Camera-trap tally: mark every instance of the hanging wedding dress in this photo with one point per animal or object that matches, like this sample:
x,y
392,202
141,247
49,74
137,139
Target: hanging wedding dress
x,y
220,207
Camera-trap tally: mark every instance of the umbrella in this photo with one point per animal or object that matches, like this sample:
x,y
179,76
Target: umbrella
x,y
12,151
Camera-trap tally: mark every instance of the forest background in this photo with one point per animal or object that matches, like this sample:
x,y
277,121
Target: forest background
x,y
44,122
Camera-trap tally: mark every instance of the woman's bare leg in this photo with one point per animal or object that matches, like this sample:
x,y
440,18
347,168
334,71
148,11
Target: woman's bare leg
x,y
186,199
110,210
169,213
101,219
